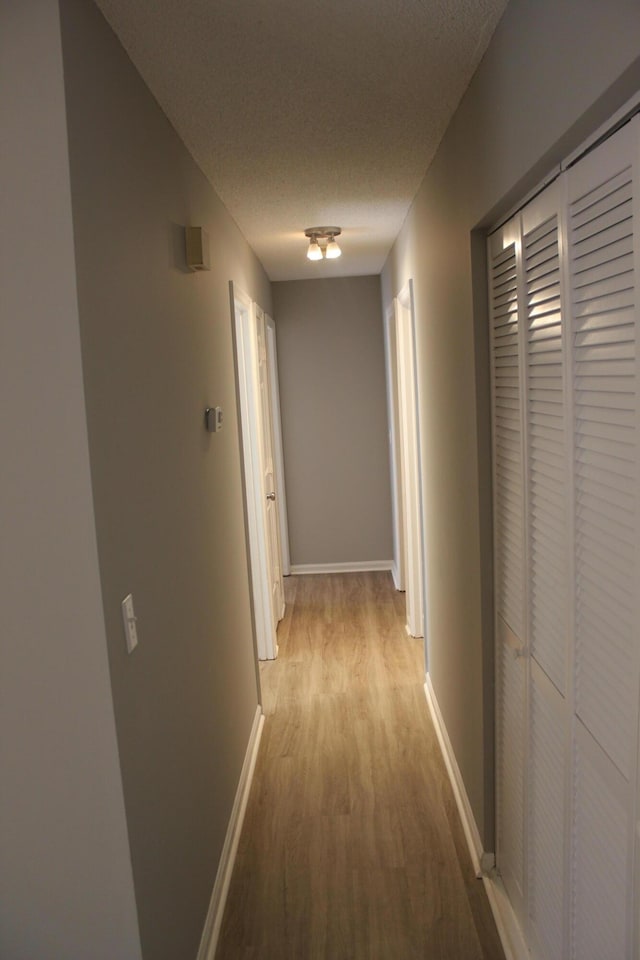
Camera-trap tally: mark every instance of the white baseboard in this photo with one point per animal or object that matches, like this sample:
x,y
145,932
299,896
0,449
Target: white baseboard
x,y
363,566
511,937
469,825
213,922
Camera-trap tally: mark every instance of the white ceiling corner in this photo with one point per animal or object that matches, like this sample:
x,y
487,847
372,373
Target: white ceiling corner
x,y
304,113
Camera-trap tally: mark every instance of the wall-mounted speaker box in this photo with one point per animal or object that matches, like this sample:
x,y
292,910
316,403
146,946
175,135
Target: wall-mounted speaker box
x,y
197,248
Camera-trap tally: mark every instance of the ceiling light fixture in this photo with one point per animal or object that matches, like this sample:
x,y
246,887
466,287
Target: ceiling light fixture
x,y
314,252
333,250
322,242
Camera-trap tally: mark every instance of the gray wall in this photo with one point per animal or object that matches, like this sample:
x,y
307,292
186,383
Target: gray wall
x,y
66,886
97,744
334,419
157,349
552,73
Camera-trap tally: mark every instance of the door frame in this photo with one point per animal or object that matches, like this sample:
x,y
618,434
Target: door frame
x,y
268,465
243,309
278,450
391,360
410,467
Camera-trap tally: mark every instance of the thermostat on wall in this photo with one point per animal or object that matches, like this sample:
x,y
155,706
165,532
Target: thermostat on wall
x,y
213,419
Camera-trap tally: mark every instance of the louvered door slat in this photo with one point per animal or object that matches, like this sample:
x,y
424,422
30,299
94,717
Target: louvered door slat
x,y
611,283
620,558
600,203
547,465
600,236
548,447
547,484
586,260
602,197
548,566
604,271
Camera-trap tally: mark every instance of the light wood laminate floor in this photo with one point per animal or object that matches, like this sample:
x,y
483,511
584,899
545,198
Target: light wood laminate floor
x,y
352,848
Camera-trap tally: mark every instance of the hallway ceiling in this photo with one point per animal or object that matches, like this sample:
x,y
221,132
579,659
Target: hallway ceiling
x,y
304,113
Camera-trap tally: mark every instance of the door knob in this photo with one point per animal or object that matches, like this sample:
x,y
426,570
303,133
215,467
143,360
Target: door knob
x,y
271,496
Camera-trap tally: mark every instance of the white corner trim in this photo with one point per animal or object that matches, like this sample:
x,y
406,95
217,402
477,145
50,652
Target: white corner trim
x,y
469,825
396,577
213,922
355,567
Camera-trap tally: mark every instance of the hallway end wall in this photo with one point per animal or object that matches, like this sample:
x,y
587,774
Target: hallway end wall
x,y
552,73
331,369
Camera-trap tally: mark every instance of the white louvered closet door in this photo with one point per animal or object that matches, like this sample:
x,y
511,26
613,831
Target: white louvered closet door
x,y
547,574
565,316
504,251
604,248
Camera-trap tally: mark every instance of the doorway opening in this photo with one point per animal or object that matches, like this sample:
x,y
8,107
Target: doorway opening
x,y
406,474
262,462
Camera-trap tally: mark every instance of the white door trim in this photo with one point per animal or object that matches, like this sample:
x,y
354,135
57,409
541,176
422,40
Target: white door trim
x,y
411,472
278,452
269,498
391,360
244,310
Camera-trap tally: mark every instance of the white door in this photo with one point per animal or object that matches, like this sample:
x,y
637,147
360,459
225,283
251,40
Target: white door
x,y
532,562
410,462
546,348
270,499
510,581
393,404
603,228
566,407
255,481
278,451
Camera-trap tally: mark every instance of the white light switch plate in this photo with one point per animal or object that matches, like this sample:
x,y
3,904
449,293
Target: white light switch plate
x,y
129,620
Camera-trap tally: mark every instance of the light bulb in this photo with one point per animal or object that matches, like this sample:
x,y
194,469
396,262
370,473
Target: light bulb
x,y
333,250
314,252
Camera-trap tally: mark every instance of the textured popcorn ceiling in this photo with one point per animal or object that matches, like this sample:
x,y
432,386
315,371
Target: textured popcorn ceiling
x,y
303,113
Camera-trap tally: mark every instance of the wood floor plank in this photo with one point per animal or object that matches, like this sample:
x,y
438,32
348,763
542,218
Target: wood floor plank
x,y
352,848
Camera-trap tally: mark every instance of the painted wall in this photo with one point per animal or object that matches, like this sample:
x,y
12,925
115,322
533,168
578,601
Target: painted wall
x,y
66,885
334,419
553,72
156,348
